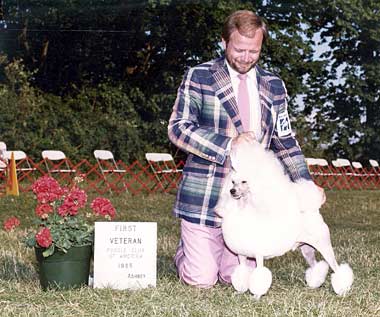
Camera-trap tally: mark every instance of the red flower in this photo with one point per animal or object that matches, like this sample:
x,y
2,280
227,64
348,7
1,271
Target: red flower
x,y
11,223
103,207
78,196
67,208
43,210
76,199
61,224
47,189
44,238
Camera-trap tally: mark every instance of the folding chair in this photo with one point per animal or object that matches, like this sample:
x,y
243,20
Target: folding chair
x,y
21,159
358,169
311,164
361,174
3,161
3,165
344,164
375,172
310,161
323,163
163,168
3,148
375,166
56,162
107,164
346,173
321,172
24,166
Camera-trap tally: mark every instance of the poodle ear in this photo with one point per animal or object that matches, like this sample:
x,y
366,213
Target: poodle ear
x,y
308,195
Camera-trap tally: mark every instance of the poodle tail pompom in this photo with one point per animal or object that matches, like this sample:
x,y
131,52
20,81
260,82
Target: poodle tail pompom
x,y
316,275
342,279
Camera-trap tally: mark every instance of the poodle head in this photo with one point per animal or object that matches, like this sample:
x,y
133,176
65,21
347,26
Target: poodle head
x,y
235,192
239,186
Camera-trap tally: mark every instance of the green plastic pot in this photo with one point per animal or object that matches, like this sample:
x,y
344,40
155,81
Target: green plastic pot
x,y
64,270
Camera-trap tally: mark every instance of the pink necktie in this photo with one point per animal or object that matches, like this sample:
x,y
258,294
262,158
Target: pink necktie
x,y
243,102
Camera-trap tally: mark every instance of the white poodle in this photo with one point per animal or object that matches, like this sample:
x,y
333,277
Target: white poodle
x,y
264,215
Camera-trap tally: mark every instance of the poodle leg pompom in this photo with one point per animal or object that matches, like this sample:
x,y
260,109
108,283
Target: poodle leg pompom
x,y
240,276
316,274
342,279
260,281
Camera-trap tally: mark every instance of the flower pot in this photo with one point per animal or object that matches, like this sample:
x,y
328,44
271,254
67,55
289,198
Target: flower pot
x,y
64,270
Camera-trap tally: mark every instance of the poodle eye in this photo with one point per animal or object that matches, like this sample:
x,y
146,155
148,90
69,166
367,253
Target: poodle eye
x,y
233,182
244,182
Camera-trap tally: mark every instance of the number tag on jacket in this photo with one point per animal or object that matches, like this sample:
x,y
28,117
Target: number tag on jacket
x,y
283,124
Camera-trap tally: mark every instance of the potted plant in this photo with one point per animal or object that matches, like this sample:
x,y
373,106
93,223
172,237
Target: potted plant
x,y
64,233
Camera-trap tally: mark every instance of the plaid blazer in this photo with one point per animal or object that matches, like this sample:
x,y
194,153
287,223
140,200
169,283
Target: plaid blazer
x,y
204,119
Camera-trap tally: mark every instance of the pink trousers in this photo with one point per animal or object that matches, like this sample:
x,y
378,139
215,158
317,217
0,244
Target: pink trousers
x,y
202,256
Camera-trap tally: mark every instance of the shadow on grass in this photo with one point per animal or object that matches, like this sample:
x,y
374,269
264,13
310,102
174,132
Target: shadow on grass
x,y
166,267
12,269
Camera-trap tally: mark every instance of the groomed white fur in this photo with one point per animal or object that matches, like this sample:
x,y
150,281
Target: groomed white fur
x,y
260,281
240,276
267,215
342,279
315,275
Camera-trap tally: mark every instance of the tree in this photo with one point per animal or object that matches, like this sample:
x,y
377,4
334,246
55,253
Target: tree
x,y
139,50
347,116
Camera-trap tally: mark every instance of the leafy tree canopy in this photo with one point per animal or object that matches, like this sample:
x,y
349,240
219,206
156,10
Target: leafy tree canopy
x,y
125,59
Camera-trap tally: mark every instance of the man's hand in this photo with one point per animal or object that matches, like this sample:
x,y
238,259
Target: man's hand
x,y
248,137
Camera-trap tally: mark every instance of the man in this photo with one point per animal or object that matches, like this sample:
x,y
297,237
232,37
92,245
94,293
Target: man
x,y
219,103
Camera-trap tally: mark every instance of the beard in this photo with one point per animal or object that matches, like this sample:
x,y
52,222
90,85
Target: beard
x,y
240,67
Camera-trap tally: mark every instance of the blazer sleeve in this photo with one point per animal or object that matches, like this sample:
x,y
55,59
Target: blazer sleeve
x,y
187,129
286,147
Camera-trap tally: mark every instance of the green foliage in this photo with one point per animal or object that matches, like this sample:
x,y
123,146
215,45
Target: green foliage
x,y
347,100
112,69
60,218
66,232
108,116
120,119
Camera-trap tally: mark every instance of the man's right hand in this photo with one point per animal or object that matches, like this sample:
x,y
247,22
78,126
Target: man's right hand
x,y
245,137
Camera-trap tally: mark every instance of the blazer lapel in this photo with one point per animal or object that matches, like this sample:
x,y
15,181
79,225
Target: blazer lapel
x,y
267,111
223,90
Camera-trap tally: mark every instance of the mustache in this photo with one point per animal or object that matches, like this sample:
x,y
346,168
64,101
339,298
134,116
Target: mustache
x,y
245,63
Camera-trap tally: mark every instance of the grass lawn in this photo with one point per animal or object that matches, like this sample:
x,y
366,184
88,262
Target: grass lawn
x,y
353,218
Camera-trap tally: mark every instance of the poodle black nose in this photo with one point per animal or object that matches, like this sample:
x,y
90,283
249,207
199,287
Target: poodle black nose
x,y
233,191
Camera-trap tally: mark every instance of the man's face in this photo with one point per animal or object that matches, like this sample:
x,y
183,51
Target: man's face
x,y
243,52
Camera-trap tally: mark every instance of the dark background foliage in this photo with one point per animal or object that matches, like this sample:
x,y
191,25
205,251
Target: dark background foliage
x,y
89,74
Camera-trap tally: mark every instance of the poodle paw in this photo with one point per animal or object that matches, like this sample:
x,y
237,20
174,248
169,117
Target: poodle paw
x,y
316,275
239,278
257,297
260,281
342,279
